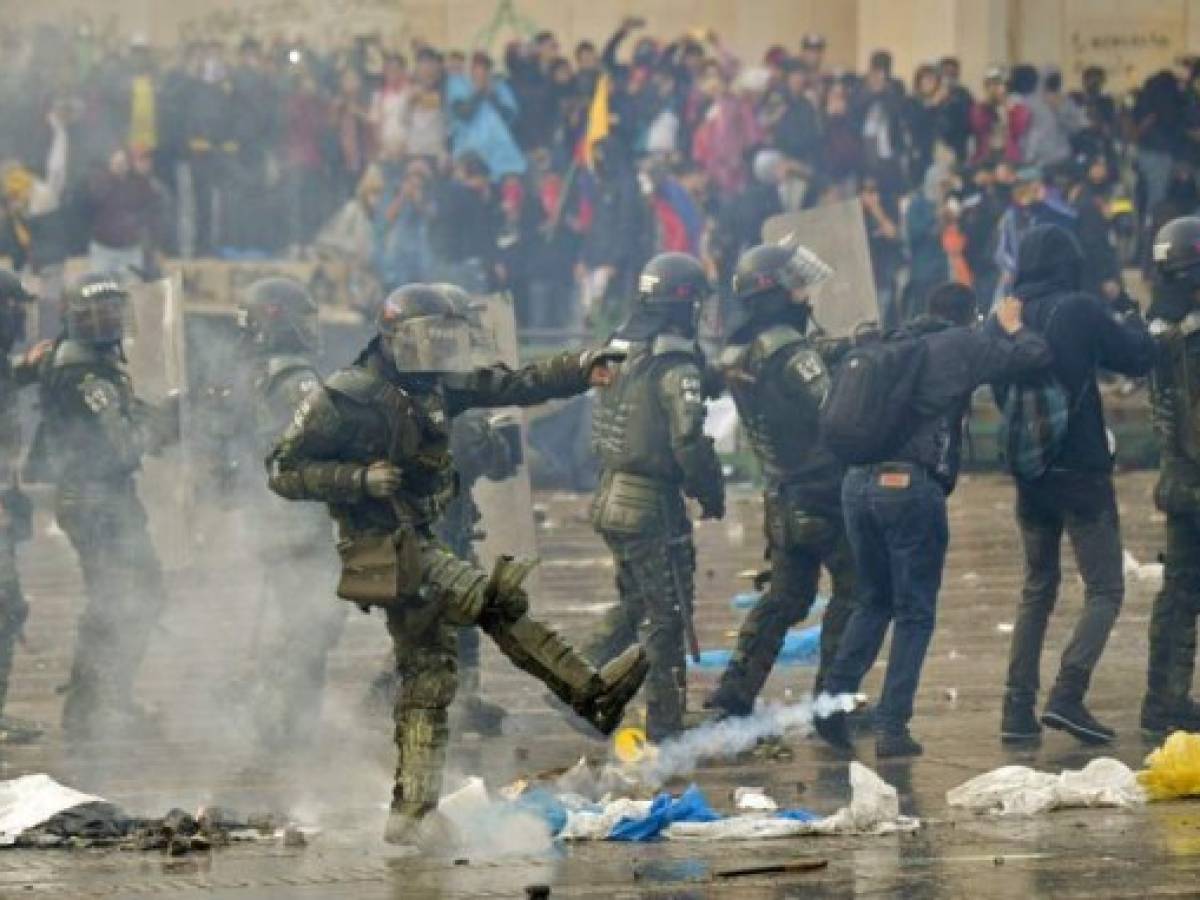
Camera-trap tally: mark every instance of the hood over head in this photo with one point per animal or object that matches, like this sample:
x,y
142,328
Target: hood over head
x,y
1049,261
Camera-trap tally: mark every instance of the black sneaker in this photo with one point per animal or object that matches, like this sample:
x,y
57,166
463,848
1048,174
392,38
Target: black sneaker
x,y
833,729
1073,718
1018,725
890,745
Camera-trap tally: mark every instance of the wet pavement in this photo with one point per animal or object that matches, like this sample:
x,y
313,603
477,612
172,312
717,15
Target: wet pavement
x,y
198,677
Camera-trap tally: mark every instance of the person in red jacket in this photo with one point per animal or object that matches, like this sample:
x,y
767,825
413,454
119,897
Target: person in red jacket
x,y
998,122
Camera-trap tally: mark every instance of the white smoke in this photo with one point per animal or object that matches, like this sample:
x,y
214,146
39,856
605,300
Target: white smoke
x,y
728,737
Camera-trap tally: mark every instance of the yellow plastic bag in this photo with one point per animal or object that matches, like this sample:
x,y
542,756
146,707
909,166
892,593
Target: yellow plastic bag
x,y
1173,770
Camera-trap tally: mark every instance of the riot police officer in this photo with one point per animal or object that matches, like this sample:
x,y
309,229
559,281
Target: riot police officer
x,y
480,449
778,380
648,434
374,444
15,510
1175,396
93,435
277,318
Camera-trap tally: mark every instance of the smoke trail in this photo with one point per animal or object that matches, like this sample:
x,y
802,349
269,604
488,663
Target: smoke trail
x,y
729,737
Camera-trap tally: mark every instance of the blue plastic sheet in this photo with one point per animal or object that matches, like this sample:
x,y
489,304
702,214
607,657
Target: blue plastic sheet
x,y
690,806
748,599
801,647
545,805
797,815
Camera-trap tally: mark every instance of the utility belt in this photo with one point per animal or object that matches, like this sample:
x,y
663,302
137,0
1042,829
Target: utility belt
x,y
635,504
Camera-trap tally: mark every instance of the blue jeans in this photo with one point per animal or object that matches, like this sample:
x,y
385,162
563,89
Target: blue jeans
x,y
896,523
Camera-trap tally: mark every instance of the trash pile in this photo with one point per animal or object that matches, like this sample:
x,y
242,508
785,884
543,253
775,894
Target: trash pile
x,y
1021,791
1173,770
37,811
577,807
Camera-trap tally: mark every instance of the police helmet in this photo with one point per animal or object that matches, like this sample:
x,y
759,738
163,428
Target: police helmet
x,y
768,268
673,278
1177,250
95,309
422,332
279,313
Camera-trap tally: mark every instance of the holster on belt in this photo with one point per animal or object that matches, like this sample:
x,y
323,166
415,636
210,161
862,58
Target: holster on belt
x,y
380,569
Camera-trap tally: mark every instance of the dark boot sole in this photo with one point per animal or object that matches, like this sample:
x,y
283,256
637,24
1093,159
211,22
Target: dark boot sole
x,y
1015,739
1077,731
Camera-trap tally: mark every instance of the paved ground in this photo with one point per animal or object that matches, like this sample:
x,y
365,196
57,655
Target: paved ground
x,y
197,676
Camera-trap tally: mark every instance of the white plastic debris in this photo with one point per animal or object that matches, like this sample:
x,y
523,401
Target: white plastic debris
x,y
1150,574
1005,627
596,825
753,798
1021,791
31,800
874,809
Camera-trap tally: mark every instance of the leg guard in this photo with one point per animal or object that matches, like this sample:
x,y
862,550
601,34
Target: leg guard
x,y
13,612
428,681
794,574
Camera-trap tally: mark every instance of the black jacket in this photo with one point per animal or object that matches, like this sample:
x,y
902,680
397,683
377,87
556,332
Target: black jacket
x,y
960,360
1084,335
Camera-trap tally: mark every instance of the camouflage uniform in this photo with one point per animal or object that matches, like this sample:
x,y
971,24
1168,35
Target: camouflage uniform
x,y
366,414
479,451
778,381
297,548
1175,395
95,432
648,433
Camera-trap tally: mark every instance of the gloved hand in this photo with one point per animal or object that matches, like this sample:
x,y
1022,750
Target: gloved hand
x,y
601,365
381,480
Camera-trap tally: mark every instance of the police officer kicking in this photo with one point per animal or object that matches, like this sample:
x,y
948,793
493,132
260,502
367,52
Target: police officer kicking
x,y
374,444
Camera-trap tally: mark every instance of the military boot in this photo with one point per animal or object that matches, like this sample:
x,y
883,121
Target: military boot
x,y
599,697
429,832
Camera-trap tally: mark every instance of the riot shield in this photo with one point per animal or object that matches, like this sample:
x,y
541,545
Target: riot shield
x,y
837,234
506,506
156,349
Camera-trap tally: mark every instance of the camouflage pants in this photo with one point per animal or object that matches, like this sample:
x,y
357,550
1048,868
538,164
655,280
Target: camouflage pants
x,y
306,623
123,581
655,584
798,544
1173,619
13,610
456,594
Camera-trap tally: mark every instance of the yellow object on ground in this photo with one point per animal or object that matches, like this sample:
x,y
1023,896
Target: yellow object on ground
x,y
1173,770
630,745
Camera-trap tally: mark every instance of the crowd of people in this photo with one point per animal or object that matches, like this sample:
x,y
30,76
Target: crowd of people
x,y
556,172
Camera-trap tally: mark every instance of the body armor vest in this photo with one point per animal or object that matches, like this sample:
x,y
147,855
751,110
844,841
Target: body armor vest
x,y
70,438
1184,392
409,430
781,425
630,432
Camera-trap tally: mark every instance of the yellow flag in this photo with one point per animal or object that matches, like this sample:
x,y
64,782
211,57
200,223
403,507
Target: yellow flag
x,y
597,121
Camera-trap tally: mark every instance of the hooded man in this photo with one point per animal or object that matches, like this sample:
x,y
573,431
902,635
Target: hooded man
x,y
1075,494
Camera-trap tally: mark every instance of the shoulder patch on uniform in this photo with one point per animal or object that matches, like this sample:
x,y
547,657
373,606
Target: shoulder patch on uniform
x,y
98,394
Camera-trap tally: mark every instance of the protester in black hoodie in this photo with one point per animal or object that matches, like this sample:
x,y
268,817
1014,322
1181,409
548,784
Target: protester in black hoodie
x,y
1076,492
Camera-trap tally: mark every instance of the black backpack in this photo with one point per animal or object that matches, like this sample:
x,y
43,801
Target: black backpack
x,y
868,415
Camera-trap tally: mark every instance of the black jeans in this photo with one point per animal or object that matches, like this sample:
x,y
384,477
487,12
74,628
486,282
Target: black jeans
x,y
1083,505
896,523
